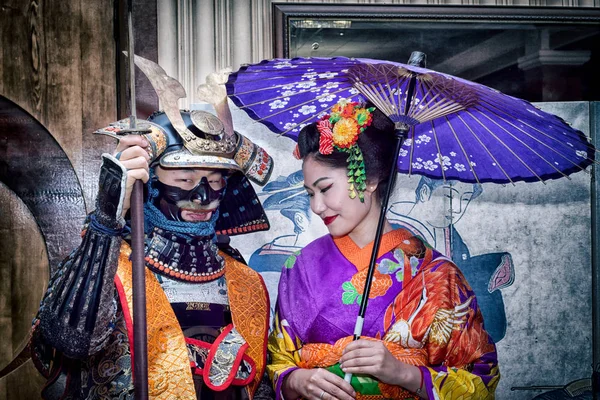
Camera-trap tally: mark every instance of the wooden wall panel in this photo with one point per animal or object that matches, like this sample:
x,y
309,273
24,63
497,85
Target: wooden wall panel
x,y
57,61
98,95
21,78
63,100
23,279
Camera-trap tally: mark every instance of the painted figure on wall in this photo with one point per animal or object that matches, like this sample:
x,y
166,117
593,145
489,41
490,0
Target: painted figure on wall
x,y
486,273
286,195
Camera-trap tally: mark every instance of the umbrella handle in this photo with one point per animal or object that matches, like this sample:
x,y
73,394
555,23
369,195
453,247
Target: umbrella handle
x,y
358,327
401,133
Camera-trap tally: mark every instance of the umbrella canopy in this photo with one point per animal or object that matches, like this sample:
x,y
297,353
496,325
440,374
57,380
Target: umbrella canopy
x,y
456,129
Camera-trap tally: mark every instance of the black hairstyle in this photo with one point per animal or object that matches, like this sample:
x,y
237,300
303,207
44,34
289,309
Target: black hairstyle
x,y
377,143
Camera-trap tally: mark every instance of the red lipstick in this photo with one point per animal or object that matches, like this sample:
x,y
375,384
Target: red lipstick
x,y
329,220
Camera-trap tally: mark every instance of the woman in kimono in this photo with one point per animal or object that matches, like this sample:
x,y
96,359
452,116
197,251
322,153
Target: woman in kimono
x,y
423,334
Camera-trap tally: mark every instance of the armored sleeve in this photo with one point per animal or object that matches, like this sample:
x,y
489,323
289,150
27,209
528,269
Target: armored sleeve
x,y
77,313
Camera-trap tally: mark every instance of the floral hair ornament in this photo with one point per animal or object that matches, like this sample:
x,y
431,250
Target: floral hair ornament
x,y
340,130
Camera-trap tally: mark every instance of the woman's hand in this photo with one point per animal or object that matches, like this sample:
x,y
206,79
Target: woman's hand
x,y
316,384
373,358
132,155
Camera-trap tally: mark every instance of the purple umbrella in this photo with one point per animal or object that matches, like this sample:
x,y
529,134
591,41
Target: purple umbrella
x,y
446,127
457,129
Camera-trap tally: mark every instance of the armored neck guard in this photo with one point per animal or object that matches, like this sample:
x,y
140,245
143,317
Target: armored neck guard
x,y
189,260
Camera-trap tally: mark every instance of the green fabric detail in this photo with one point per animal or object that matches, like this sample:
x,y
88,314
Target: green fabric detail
x,y
414,264
291,260
349,297
387,266
363,384
350,294
400,275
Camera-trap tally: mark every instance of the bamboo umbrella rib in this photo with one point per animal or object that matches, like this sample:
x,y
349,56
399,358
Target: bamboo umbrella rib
x,y
292,95
428,106
492,105
437,144
374,96
347,83
432,111
412,150
391,100
429,87
588,145
505,145
544,144
291,108
432,114
462,149
485,148
389,103
344,80
394,88
394,96
366,90
398,99
525,145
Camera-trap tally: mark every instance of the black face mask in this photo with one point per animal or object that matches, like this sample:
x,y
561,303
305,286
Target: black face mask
x,y
169,196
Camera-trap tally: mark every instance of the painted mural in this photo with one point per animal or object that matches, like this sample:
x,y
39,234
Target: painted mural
x,y
486,273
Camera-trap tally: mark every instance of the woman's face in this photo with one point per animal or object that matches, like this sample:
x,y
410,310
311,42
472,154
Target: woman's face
x,y
327,188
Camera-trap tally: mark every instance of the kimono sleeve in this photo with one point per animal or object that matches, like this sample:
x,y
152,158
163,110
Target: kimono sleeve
x,y
463,358
284,356
283,343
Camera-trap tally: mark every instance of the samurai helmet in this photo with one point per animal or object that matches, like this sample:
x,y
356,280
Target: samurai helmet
x,y
198,139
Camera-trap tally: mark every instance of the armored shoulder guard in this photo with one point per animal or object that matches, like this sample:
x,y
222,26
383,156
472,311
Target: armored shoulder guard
x,y
223,245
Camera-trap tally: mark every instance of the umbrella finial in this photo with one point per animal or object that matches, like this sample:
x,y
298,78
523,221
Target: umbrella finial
x,y
418,59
